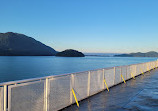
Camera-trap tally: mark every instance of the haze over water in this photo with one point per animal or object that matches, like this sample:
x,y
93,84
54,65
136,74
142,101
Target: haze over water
x,y
25,67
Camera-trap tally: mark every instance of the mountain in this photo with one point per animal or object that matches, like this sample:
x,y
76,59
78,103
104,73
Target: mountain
x,y
139,54
15,44
70,53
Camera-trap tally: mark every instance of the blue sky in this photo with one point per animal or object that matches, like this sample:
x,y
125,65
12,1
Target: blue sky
x,y
106,26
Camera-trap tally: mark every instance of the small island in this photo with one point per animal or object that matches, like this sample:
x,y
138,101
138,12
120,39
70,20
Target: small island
x,y
70,53
139,54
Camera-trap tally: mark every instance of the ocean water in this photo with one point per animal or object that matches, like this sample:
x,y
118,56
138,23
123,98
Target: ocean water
x,y
26,67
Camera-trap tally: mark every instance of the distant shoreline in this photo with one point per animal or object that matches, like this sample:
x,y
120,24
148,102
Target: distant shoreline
x,y
139,54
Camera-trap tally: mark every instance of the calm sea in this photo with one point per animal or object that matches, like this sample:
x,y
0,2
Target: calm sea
x,y
25,67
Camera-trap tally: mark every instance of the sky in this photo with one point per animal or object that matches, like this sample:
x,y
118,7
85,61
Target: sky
x,y
97,26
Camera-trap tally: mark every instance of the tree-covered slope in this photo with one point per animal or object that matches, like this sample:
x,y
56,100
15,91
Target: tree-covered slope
x,y
14,44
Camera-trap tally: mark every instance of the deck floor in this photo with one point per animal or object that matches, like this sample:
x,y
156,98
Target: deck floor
x,y
140,94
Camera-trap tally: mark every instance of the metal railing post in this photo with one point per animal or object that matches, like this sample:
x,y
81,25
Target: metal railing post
x,y
103,78
46,95
71,87
120,73
5,98
88,88
126,72
114,74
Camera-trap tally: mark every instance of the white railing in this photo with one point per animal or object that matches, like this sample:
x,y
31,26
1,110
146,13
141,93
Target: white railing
x,y
56,92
